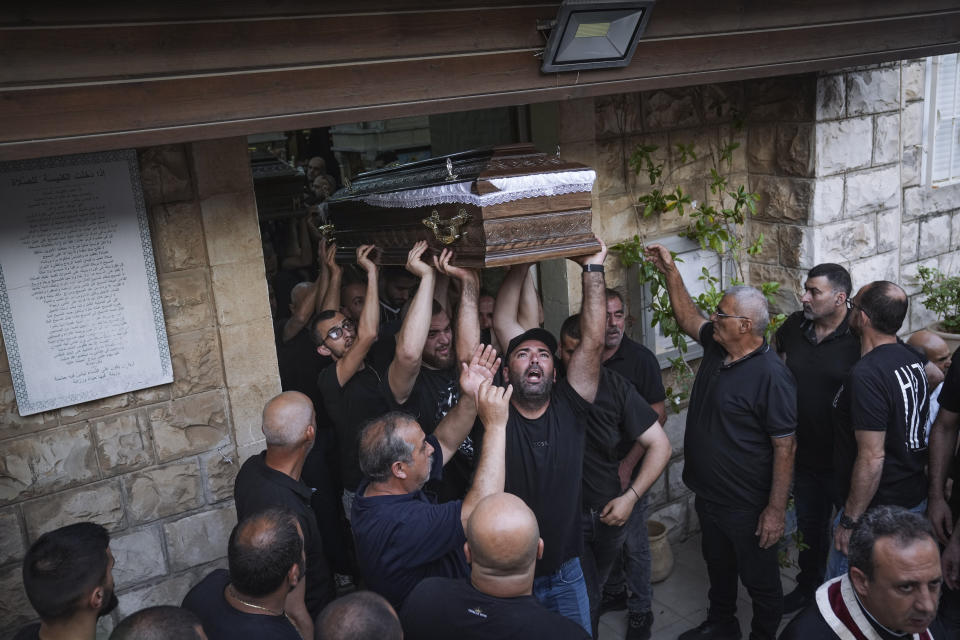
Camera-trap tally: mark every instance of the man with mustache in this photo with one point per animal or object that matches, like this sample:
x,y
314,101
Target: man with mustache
x,y
818,347
68,577
545,439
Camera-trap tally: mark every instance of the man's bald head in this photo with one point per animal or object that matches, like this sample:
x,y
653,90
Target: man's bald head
x,y
503,535
299,292
937,350
287,418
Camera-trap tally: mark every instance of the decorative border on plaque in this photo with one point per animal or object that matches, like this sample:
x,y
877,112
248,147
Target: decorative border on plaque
x,y
25,404
535,185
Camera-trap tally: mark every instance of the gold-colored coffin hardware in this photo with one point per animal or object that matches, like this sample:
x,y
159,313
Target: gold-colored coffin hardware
x,y
447,231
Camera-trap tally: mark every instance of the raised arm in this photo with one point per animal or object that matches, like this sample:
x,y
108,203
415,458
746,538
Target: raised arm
x,y
405,366
529,309
328,264
505,310
302,310
584,371
685,311
369,323
456,425
494,408
468,313
943,442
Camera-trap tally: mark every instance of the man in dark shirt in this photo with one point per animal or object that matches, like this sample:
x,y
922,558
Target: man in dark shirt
x,y
159,623
360,615
266,559
402,535
739,447
545,443
881,412
397,286
819,349
943,445
618,414
272,479
640,367
68,577
891,589
503,544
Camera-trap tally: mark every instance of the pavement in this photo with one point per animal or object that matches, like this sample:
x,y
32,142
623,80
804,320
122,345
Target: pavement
x,y
680,601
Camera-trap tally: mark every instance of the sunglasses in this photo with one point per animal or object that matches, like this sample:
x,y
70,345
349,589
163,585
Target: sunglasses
x,y
721,314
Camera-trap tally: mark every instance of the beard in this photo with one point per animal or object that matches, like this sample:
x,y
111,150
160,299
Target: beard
x,y
109,604
533,393
440,362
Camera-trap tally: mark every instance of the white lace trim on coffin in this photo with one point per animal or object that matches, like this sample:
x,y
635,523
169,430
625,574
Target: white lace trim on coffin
x,y
510,189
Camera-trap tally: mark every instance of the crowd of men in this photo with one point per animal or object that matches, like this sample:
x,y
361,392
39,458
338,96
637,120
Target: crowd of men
x,y
459,471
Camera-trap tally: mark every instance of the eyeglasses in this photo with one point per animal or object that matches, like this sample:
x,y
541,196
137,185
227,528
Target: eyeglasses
x,y
721,314
853,305
335,332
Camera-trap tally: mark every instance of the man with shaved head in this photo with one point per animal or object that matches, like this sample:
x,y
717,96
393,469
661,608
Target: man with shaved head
x,y
880,446
272,479
938,354
503,545
265,555
739,445
160,623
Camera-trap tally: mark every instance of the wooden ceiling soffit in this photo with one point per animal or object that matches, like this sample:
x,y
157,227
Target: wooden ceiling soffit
x,y
70,88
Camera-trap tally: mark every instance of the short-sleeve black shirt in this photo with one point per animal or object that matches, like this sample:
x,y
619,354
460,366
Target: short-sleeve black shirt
x,y
950,392
637,364
544,460
618,413
819,370
365,396
257,488
444,608
220,621
402,539
29,632
300,364
885,391
734,411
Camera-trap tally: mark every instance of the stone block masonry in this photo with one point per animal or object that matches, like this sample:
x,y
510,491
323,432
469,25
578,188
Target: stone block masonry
x,y
156,466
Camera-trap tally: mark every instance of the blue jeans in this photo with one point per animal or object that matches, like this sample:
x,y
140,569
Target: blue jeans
x,y
565,592
602,544
636,563
837,564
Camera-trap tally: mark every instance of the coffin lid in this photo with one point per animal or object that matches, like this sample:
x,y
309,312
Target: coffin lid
x,y
481,177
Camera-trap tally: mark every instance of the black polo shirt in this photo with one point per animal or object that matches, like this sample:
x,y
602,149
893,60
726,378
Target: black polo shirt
x,y
819,370
365,396
544,465
618,413
259,487
637,364
735,409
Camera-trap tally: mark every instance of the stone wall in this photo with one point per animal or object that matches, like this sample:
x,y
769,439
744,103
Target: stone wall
x,y
156,466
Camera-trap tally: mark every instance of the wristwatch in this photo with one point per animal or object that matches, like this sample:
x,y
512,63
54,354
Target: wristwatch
x,y
593,268
847,522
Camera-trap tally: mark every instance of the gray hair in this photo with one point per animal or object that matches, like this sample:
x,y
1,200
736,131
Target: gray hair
x,y
753,304
381,445
286,418
885,521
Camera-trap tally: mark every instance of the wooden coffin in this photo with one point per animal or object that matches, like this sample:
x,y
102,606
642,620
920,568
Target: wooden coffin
x,y
493,207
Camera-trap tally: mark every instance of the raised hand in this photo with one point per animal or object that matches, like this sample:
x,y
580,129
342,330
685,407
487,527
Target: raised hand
x,y
363,258
415,263
482,367
596,258
493,404
442,263
327,254
660,256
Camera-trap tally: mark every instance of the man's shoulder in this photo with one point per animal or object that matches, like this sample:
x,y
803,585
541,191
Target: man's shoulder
x,y
209,588
808,625
630,348
29,632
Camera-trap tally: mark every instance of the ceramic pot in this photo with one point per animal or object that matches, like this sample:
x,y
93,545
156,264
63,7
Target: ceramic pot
x,y
952,339
661,556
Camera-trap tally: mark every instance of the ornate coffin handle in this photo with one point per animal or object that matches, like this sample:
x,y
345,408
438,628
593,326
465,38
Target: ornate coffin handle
x,y
447,231
327,231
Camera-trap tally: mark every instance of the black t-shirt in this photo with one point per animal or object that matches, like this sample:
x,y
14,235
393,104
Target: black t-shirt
x,y
29,632
257,488
819,370
222,622
637,364
365,396
544,461
402,539
950,392
444,608
618,413
735,409
885,391
300,364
